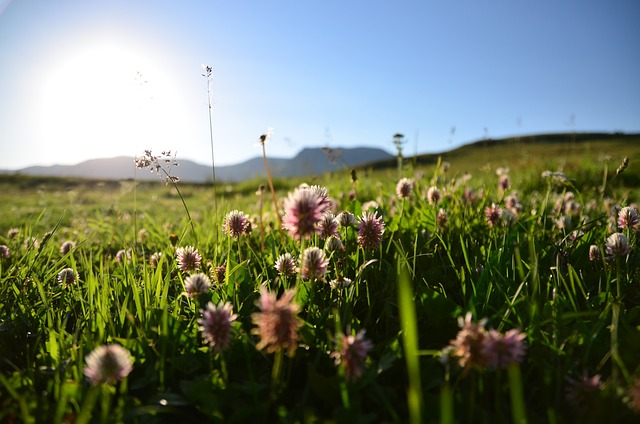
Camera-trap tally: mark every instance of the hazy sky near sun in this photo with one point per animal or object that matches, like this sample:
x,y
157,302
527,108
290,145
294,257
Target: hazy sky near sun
x,y
87,79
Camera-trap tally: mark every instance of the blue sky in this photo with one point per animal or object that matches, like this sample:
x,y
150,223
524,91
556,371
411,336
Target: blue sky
x,y
81,80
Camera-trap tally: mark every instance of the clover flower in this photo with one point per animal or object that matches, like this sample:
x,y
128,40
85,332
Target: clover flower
x,y
123,255
155,259
323,195
433,195
303,210
617,246
628,218
513,204
371,204
340,283
196,284
333,244
404,188
504,183
558,176
67,276
442,218
313,264
215,325
594,253
328,226
277,322
31,243
286,265
346,219
237,223
107,364
501,350
12,233
582,391
188,258
352,353
492,214
220,272
66,247
370,230
468,346
5,252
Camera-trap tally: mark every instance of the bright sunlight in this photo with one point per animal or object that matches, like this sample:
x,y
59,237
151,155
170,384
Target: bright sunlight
x,y
108,100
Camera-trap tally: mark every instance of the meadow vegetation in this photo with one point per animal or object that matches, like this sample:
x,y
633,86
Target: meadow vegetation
x,y
497,283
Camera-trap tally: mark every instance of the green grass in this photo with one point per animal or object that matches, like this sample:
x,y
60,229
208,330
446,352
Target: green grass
x,y
579,317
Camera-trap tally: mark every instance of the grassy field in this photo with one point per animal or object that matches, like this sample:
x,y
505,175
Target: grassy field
x,y
499,282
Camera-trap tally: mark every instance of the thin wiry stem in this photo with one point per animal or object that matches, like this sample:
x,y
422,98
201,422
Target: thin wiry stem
x,y
273,191
208,75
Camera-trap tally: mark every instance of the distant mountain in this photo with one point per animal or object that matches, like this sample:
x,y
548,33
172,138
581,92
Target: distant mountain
x,y
310,161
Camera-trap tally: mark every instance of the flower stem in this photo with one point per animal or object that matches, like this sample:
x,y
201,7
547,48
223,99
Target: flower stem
x,y
446,403
275,372
273,191
518,409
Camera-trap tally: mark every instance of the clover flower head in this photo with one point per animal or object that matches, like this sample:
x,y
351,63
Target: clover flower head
x,y
323,194
237,223
501,350
504,183
220,273
196,284
215,325
513,204
5,252
617,246
433,195
371,204
123,255
628,218
492,214
340,283
66,247
188,258
155,259
286,265
31,243
277,322
12,233
370,230
404,188
468,346
67,276
352,353
313,264
334,244
347,219
442,218
303,210
328,226
582,391
107,364
503,170
594,253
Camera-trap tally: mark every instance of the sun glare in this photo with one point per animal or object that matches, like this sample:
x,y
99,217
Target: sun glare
x,y
108,100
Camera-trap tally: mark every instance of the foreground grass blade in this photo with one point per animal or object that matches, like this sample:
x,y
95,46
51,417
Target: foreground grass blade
x,y
409,330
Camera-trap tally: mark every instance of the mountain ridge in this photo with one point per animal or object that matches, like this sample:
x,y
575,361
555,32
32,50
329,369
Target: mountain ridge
x,y
309,161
